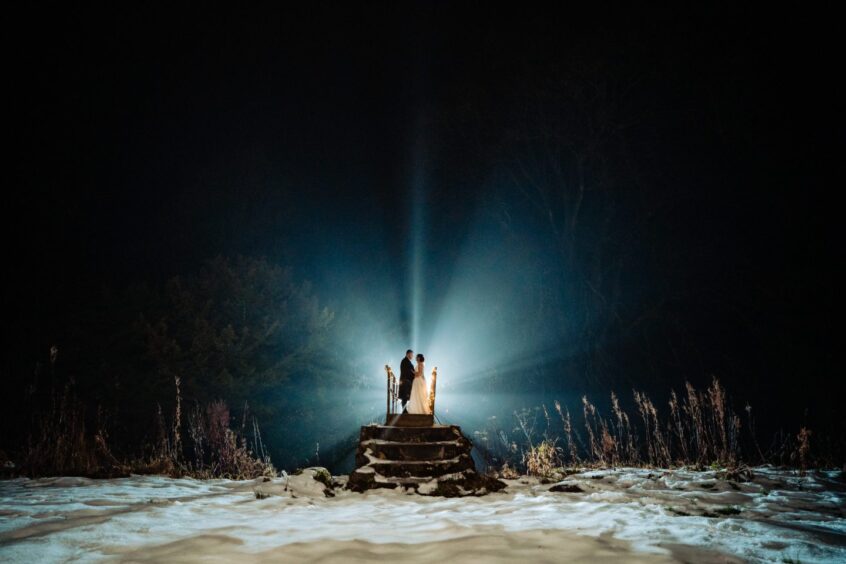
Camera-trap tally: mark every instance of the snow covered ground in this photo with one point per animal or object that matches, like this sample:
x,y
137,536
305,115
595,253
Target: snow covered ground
x,y
625,515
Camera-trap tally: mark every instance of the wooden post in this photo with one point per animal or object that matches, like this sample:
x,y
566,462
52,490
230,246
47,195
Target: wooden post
x,y
388,400
432,391
394,392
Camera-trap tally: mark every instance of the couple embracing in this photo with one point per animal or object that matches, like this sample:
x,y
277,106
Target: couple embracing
x,y
413,391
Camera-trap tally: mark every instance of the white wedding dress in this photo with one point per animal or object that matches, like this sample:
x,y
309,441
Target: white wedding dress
x,y
419,402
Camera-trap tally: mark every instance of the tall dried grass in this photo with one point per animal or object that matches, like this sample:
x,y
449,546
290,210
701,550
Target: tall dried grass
x,y
542,459
700,429
62,444
215,449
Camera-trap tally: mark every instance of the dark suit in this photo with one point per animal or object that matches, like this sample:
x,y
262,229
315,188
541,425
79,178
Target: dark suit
x,y
406,380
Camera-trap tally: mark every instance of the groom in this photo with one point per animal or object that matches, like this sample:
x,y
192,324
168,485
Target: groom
x,y
406,378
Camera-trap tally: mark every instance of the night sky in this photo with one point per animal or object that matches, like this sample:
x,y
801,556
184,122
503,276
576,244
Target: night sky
x,y
142,143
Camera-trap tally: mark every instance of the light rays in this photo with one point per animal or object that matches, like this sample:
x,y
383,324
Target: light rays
x,y
477,313
417,240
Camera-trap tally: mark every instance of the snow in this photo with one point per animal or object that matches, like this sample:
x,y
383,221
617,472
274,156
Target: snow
x,y
631,515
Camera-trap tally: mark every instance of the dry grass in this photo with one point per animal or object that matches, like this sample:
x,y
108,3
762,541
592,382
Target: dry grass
x,y
803,440
542,459
700,429
61,444
215,449
568,432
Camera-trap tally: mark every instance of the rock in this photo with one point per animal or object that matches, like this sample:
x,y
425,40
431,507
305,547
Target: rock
x,y
566,488
322,475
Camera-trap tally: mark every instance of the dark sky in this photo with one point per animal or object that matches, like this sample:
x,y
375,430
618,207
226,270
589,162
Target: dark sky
x,y
143,143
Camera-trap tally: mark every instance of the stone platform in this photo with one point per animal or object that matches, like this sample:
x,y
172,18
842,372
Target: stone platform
x,y
412,452
409,420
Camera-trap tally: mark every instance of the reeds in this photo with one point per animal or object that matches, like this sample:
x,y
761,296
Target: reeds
x,y
215,450
657,451
803,448
542,459
568,433
62,443
700,429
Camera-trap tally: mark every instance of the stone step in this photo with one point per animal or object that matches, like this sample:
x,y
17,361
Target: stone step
x,y
410,434
421,468
362,481
412,481
409,420
434,450
408,481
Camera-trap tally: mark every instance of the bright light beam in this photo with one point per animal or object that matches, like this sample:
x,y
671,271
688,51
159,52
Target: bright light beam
x,y
417,248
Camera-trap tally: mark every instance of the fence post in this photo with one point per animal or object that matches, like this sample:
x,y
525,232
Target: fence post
x,y
432,391
388,400
394,392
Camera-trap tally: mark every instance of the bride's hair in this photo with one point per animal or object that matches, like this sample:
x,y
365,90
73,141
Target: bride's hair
x,y
420,358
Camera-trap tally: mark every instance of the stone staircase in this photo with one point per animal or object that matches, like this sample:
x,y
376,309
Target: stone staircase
x,y
410,451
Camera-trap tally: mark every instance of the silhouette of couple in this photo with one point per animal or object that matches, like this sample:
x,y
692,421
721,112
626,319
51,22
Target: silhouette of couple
x,y
413,390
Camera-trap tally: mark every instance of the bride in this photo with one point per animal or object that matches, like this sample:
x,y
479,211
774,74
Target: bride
x,y
419,403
